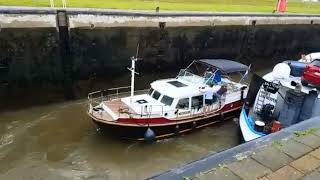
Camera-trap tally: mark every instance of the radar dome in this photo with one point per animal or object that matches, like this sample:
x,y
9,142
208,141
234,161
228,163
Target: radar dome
x,y
281,71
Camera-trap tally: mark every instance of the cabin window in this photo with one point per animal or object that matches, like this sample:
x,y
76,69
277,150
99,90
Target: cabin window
x,y
183,103
150,91
156,95
197,102
167,100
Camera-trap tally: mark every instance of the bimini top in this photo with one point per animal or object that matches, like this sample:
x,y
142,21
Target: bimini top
x,y
226,66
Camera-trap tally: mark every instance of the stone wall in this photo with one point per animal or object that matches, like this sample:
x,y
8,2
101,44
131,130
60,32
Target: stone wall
x,y
30,63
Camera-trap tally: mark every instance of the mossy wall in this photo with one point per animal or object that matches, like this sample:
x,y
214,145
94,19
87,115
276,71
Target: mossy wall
x,y
31,67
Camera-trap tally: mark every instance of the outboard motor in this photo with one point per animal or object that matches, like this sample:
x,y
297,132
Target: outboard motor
x,y
266,113
290,111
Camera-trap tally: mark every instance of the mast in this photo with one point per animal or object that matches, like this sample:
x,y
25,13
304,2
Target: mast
x,y
133,65
133,72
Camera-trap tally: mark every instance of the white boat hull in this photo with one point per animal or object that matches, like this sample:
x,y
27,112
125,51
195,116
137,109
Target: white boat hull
x,y
247,127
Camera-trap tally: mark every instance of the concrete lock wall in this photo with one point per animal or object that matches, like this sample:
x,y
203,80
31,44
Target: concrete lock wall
x,y
101,42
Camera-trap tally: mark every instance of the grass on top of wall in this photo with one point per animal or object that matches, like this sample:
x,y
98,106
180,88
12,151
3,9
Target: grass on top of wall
x,y
294,6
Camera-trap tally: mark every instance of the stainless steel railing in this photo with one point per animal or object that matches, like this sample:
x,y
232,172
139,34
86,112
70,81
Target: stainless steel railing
x,y
96,97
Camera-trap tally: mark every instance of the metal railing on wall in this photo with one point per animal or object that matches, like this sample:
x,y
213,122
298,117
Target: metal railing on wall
x,y
52,3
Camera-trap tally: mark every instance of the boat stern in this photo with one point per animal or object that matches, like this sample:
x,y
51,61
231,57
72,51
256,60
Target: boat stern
x,y
247,127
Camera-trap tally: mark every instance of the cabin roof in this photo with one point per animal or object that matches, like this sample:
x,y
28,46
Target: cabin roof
x,y
227,66
166,87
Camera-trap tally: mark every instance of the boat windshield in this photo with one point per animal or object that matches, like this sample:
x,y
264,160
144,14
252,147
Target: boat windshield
x,y
190,77
208,77
166,100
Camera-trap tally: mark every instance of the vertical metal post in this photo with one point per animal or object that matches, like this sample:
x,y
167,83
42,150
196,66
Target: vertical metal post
x,y
150,110
161,110
141,111
64,4
117,93
133,62
52,3
132,76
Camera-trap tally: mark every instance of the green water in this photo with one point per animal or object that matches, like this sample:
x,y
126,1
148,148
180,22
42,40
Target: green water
x,y
60,142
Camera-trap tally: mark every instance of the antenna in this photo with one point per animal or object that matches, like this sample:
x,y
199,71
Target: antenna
x,y
137,52
133,72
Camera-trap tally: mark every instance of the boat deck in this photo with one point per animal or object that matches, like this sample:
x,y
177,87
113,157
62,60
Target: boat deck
x,y
101,115
113,110
120,108
287,83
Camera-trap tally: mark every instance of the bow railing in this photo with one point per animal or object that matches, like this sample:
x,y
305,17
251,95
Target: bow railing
x,y
96,97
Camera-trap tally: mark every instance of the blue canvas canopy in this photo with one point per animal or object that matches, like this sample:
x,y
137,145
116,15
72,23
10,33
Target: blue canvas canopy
x,y
226,66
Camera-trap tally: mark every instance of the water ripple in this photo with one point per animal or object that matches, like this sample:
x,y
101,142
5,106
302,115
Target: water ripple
x,y
6,140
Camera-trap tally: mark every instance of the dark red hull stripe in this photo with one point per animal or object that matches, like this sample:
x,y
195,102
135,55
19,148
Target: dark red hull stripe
x,y
162,131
